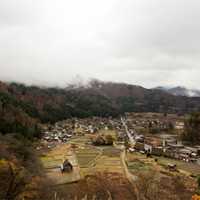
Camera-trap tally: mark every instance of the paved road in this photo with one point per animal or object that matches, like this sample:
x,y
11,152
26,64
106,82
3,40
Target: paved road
x,y
131,139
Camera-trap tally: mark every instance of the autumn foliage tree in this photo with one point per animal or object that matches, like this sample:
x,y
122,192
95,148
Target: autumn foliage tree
x,y
195,197
20,170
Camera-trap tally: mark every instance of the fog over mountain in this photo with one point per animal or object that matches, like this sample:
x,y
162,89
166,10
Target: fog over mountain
x,y
180,91
142,42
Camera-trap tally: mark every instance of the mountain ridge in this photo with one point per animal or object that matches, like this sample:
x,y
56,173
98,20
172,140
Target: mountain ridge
x,y
180,91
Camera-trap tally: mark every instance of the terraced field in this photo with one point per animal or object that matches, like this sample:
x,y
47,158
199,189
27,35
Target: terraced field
x,y
86,157
109,160
92,159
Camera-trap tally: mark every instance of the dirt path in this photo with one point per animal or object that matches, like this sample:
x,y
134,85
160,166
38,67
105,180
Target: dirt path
x,y
52,161
132,179
129,175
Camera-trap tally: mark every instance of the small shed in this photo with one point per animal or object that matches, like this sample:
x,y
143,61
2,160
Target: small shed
x,y
158,151
172,167
148,148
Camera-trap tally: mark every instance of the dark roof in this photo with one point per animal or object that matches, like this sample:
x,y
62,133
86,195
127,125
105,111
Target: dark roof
x,y
66,163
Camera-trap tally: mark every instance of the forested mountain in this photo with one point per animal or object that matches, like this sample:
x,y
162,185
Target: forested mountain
x,y
22,107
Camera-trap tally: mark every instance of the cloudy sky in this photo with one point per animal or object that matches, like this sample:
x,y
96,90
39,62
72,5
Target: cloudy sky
x,y
144,42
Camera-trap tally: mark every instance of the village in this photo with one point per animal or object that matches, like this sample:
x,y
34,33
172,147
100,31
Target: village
x,y
153,134
165,141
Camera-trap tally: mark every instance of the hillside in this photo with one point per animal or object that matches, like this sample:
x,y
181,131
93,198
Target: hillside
x,y
24,106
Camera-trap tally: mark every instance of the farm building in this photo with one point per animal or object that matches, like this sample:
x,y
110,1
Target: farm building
x,y
66,166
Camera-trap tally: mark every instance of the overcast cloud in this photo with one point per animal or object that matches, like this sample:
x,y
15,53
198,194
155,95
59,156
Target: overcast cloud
x,y
144,42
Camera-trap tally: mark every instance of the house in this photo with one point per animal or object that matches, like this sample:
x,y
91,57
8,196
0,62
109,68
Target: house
x,y
185,151
172,167
139,138
158,151
66,166
131,150
167,152
148,148
179,125
194,150
175,146
139,146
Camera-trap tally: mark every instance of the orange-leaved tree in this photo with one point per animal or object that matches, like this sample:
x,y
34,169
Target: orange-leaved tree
x,y
195,197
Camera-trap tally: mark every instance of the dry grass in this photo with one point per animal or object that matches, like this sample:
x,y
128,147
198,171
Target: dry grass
x,y
102,186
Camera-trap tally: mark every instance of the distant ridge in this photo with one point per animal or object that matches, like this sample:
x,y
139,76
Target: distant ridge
x,y
180,91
